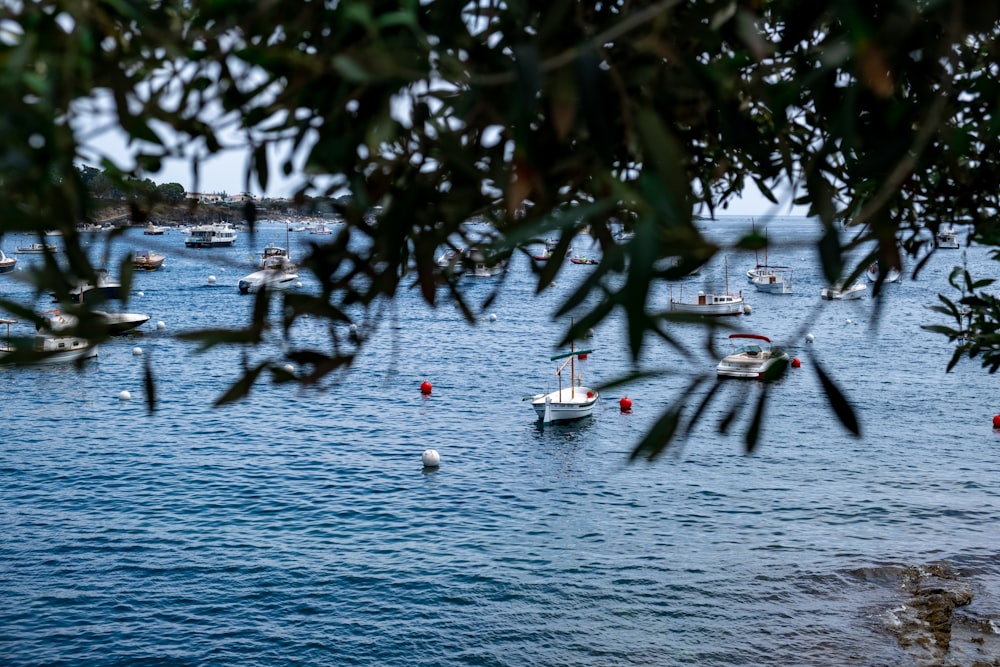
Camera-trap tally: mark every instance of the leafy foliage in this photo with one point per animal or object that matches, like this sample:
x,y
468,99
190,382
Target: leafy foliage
x,y
544,118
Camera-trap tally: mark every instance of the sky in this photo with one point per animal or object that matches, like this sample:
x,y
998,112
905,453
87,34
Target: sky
x,y
226,173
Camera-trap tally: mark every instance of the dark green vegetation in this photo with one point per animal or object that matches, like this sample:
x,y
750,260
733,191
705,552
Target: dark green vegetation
x,y
541,118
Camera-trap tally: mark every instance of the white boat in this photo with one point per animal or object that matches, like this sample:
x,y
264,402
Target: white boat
x,y
891,276
36,248
751,357
118,324
773,280
759,269
566,403
46,348
154,230
109,287
946,237
211,236
276,271
477,266
838,292
6,263
321,229
710,305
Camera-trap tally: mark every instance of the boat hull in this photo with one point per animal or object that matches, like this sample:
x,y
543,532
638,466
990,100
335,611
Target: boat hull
x,y
742,367
55,349
565,404
834,294
267,278
709,309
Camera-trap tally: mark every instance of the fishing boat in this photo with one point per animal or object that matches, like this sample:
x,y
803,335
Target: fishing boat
x,y
837,291
566,403
751,357
7,263
147,260
762,269
36,248
710,305
946,237
216,235
891,276
773,280
45,348
276,271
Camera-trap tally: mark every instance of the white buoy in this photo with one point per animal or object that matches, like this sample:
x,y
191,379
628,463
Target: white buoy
x,y
431,458
136,351
211,280
289,368
298,284
125,396
353,328
493,317
810,338
161,325
849,321
747,309
140,294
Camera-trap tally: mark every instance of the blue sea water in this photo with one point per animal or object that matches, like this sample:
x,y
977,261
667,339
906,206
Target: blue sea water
x,y
299,526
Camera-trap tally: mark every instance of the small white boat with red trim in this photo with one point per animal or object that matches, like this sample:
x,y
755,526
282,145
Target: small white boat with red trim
x,y
751,357
566,403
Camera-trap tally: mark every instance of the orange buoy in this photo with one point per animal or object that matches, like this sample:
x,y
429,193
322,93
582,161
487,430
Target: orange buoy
x,y
625,404
996,421
425,387
796,363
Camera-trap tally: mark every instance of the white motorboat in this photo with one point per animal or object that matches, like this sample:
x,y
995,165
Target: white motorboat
x,y
751,357
946,237
477,266
7,264
276,271
108,287
837,292
118,324
891,276
154,230
566,403
773,280
147,260
211,236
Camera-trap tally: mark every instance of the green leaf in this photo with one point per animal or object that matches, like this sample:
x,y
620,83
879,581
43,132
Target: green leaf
x,y
837,399
241,387
752,436
659,436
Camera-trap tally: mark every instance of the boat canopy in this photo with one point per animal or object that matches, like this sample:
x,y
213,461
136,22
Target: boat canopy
x,y
753,336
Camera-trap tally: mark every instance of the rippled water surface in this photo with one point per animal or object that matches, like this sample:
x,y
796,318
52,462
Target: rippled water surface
x,y
298,527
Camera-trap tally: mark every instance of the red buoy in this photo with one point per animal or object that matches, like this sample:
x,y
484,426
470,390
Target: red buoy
x,y
582,355
996,421
425,387
625,404
796,363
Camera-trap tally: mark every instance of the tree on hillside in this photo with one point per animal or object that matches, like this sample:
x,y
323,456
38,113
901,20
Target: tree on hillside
x,y
538,118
